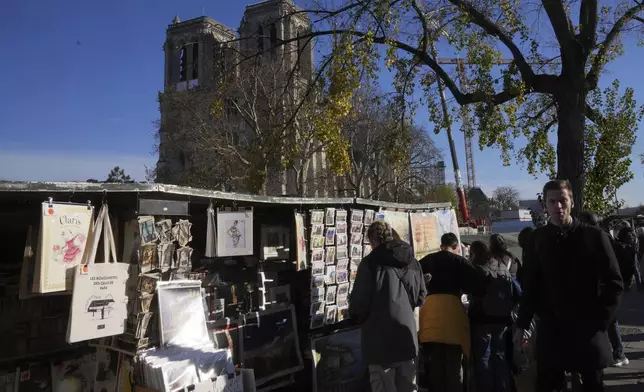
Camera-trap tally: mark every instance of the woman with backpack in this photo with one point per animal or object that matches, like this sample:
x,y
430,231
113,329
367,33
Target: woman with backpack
x,y
490,315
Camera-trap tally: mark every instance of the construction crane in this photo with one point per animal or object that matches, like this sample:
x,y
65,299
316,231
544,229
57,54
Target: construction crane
x,y
467,130
467,126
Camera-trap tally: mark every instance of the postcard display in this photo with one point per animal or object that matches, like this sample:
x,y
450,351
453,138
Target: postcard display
x,y
338,243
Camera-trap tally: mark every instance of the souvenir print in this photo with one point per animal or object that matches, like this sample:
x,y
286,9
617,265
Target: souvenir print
x,y
181,232
317,281
275,242
165,255
343,263
147,230
317,230
342,253
317,255
341,239
318,242
329,217
356,251
342,312
342,276
330,236
343,290
149,258
356,239
318,268
184,263
317,217
341,228
368,217
331,313
330,255
318,293
331,292
329,274
356,216
356,228
341,215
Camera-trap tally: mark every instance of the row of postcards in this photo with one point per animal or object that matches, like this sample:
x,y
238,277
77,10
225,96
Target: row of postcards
x,y
338,243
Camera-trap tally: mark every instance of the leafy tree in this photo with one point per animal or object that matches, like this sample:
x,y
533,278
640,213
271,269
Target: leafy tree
x,y
609,143
117,175
506,197
244,133
546,85
442,194
389,160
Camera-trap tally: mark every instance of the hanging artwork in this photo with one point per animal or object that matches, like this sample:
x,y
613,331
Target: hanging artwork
x,y
341,216
317,217
147,230
447,223
275,242
399,221
235,233
329,217
300,236
64,231
426,238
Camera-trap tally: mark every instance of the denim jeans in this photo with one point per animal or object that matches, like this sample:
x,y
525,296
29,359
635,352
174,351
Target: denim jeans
x,y
615,338
491,370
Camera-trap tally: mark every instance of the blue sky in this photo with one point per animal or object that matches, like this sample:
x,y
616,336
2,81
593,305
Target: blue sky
x,y
81,81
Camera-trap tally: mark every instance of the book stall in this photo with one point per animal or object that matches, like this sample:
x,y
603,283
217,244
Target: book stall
x,y
152,287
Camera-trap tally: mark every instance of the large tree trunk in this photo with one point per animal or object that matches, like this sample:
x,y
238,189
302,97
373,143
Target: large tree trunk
x,y
571,108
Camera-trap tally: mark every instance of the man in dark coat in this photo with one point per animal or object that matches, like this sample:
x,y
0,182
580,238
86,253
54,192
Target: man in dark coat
x,y
389,285
573,284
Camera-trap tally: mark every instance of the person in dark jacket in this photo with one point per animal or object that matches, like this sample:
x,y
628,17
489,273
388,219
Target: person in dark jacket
x,y
574,285
525,242
614,334
444,327
490,315
389,285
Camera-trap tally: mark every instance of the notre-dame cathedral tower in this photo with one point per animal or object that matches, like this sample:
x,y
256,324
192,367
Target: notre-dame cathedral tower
x,y
196,49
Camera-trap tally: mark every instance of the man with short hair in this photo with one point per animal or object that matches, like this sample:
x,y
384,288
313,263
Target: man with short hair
x,y
389,285
444,326
574,285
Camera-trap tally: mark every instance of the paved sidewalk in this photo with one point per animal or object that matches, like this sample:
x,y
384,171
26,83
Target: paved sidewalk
x,y
630,378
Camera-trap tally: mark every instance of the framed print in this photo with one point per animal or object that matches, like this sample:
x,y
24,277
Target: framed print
x,y
341,228
275,242
329,274
331,292
341,215
341,239
235,233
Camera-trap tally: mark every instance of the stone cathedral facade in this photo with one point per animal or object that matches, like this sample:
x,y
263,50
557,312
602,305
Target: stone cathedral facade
x,y
196,49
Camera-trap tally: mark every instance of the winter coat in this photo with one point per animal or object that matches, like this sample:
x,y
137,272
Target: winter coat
x,y
573,284
475,312
389,285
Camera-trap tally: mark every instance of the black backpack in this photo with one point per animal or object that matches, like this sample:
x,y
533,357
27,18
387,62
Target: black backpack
x,y
498,300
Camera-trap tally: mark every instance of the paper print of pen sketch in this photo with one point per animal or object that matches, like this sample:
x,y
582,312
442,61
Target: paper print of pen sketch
x,y
234,233
100,308
64,232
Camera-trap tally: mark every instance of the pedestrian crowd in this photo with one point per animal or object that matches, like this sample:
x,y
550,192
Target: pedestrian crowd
x,y
480,324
